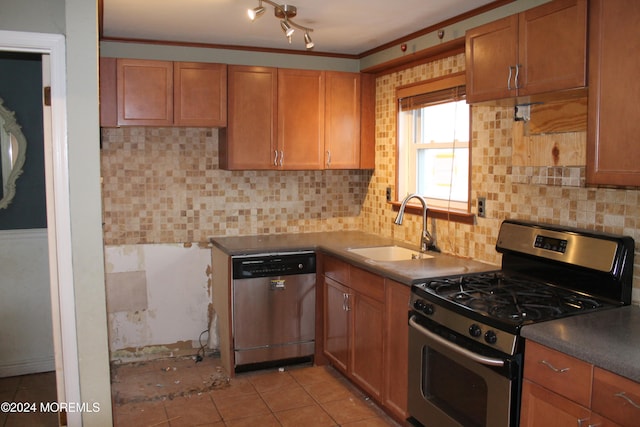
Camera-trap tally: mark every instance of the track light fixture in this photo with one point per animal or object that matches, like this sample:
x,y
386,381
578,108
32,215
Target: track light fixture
x,y
284,12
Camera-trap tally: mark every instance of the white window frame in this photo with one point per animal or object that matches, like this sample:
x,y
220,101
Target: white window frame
x,y
407,148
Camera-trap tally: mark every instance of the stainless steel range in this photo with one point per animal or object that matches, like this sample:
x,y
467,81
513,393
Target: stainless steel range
x,y
465,349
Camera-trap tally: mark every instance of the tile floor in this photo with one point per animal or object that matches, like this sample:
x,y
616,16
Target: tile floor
x,y
179,392
31,389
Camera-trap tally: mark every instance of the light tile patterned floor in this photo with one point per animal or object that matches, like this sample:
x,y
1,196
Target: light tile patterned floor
x,y
180,392
32,389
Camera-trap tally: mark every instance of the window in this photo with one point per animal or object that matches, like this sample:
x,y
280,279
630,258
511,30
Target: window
x,y
433,142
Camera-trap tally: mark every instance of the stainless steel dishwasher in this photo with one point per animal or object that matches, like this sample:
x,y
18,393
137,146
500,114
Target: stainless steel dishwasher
x,y
273,307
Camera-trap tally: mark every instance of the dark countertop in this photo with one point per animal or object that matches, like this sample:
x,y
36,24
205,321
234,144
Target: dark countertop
x,y
337,244
609,339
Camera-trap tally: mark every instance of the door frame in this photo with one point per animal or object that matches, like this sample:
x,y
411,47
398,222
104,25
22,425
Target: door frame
x,y
52,47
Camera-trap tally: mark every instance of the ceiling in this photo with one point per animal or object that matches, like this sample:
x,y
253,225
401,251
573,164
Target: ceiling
x,y
339,27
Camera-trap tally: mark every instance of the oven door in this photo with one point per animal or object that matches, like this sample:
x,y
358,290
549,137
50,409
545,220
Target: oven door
x,y
450,385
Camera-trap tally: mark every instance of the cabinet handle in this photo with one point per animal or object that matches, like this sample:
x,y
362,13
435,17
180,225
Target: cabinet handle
x,y
328,158
509,78
275,158
517,75
553,368
582,421
348,308
281,157
624,396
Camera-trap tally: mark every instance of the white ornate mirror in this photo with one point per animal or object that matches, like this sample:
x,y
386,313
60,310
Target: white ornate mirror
x,y
13,149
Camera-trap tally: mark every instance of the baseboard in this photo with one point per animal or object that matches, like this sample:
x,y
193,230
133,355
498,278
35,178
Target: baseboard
x,y
26,367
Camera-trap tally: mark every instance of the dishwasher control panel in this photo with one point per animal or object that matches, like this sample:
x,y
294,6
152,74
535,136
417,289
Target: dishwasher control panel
x,y
269,265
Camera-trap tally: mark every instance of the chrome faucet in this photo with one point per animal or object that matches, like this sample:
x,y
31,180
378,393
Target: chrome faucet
x,y
427,242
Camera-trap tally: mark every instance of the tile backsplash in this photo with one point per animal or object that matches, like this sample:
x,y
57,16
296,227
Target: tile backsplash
x,y
163,185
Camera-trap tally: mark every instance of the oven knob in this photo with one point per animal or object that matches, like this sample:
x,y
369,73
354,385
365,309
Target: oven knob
x,y
475,331
490,337
422,306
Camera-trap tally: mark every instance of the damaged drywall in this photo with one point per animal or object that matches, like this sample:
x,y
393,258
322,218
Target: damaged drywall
x,y
157,294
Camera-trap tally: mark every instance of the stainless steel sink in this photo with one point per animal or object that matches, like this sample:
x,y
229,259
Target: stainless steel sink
x,y
389,253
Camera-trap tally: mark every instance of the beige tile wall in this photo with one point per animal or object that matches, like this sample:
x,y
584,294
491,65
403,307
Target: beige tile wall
x,y
554,195
163,185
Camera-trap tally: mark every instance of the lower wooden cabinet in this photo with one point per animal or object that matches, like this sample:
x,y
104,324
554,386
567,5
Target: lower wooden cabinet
x,y
560,390
365,332
336,324
544,408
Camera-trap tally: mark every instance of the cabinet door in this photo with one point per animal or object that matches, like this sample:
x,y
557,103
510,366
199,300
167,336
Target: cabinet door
x,y
543,408
613,151
249,141
342,120
145,92
396,348
336,324
491,55
301,119
552,47
367,343
615,397
200,94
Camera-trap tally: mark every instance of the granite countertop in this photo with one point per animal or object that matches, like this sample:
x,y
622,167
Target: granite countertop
x,y
609,339
337,244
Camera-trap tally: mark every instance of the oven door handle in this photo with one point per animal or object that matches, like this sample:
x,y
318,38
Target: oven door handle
x,y
451,346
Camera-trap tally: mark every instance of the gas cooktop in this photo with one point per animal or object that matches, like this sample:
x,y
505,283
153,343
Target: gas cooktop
x,y
512,298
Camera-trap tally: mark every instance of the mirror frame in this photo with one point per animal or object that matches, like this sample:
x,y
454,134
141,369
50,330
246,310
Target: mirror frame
x,y
12,127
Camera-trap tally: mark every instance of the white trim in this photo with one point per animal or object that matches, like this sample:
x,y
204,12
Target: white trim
x,y
58,204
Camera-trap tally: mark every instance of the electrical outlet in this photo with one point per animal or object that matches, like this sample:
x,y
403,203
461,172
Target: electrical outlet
x,y
388,194
482,207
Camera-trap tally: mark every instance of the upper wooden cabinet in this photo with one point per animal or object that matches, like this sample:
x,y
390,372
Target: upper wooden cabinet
x,y
249,141
301,101
538,51
613,152
342,121
136,92
200,94
296,120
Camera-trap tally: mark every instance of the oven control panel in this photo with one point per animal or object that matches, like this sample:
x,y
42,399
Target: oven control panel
x,y
463,325
550,243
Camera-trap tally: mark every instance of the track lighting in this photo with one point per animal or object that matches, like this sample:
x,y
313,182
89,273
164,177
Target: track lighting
x,y
286,28
308,43
255,13
284,12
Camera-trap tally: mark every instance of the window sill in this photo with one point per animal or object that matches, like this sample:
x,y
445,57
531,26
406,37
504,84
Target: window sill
x,y
454,215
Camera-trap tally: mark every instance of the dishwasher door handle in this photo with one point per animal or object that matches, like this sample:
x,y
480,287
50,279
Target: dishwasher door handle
x,y
277,284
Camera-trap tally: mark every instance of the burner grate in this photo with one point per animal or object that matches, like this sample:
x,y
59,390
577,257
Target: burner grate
x,y
511,298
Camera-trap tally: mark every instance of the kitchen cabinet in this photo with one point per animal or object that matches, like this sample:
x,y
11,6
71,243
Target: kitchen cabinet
x,y
560,390
296,120
249,140
353,319
365,334
300,119
135,92
336,324
200,94
540,50
615,397
613,153
342,120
